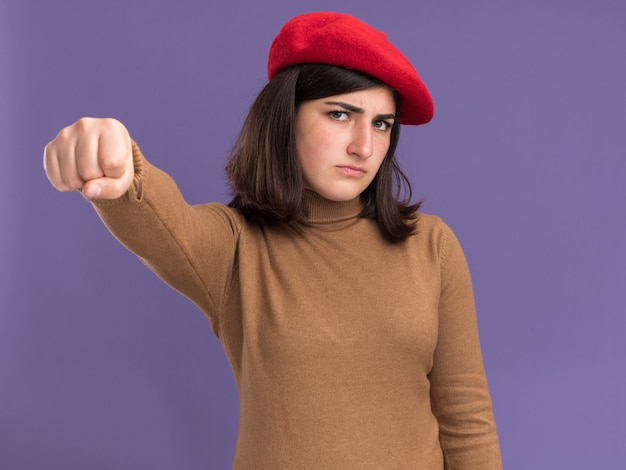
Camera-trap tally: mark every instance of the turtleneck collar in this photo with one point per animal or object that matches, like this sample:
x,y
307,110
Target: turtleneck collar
x,y
322,210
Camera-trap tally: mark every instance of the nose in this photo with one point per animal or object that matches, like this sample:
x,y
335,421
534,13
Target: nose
x,y
361,142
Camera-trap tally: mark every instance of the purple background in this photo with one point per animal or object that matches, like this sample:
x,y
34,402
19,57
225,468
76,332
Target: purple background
x,y
102,367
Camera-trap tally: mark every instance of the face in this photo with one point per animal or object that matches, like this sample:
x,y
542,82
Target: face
x,y
342,140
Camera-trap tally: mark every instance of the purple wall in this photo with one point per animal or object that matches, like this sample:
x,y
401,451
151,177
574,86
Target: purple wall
x,y
101,366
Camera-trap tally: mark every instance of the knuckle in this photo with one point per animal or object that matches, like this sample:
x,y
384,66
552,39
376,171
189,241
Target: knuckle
x,y
109,162
68,133
109,124
83,123
88,174
64,134
112,161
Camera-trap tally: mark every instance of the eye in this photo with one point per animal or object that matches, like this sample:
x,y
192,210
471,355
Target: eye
x,y
339,115
382,125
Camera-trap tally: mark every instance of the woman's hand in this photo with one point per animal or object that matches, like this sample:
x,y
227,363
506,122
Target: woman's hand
x,y
92,155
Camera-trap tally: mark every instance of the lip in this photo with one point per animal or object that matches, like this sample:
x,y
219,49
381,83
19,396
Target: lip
x,y
351,170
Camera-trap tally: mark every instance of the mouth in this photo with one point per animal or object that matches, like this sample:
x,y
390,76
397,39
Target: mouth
x,y
351,170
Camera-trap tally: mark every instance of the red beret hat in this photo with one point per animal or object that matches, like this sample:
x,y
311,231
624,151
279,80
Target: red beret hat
x,y
343,40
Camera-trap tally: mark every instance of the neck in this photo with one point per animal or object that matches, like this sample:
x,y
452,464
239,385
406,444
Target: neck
x,y
322,210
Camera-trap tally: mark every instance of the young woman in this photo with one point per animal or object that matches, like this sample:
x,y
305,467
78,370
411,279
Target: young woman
x,y
347,317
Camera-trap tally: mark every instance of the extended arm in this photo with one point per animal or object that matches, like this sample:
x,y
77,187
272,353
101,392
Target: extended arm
x,y
192,248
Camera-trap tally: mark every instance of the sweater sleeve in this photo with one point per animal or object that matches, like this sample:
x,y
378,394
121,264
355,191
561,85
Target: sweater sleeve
x,y
459,391
191,248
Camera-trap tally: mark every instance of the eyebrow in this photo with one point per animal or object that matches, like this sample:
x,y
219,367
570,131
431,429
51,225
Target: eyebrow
x,y
355,109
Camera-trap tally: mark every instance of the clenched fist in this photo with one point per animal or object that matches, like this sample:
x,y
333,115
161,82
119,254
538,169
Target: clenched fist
x,y
93,155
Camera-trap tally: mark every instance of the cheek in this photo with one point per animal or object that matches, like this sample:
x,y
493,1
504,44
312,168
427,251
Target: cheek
x,y
314,149
308,159
381,152
305,140
305,154
380,164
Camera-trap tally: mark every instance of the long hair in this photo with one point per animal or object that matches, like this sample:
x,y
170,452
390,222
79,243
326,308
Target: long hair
x,y
264,170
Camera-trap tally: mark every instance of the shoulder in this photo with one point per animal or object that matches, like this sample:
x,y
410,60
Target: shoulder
x,y
431,227
220,213
429,222
435,233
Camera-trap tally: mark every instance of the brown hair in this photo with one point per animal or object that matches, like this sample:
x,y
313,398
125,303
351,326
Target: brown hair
x,y
264,171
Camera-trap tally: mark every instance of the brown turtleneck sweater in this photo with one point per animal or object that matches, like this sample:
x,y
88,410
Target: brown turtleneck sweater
x,y
349,352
